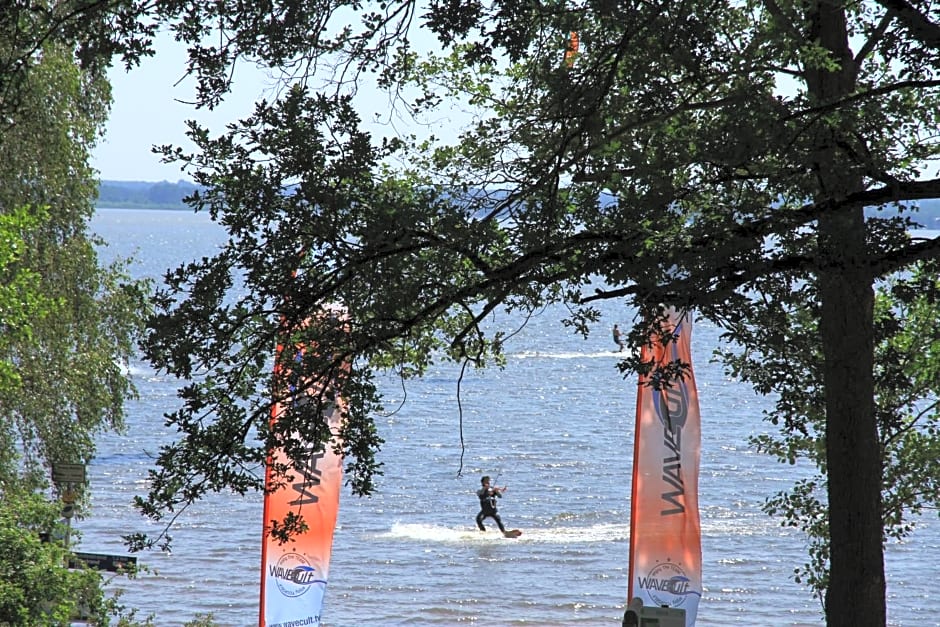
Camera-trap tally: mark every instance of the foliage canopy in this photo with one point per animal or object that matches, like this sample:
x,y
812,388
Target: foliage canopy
x,y
68,355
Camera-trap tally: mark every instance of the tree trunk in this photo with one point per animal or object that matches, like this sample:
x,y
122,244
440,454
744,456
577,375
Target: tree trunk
x,y
856,591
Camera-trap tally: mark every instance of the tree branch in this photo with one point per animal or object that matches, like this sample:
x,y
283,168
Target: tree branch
x,y
919,24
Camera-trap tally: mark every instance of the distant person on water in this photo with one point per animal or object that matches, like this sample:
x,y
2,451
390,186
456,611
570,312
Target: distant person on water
x,y
488,498
618,337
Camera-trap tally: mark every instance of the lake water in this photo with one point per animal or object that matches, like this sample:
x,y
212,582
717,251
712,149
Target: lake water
x,y
556,426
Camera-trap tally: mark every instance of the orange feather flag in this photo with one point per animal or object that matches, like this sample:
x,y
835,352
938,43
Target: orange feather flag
x,y
665,531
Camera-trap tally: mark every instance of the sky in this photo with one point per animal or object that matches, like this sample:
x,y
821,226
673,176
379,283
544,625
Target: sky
x,y
146,111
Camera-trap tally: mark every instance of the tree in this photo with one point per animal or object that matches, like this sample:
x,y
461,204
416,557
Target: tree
x,y
68,323
906,383
22,301
37,588
22,305
71,383
93,31
710,154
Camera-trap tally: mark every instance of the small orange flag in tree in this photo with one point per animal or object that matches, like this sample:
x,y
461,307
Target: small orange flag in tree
x,y
572,50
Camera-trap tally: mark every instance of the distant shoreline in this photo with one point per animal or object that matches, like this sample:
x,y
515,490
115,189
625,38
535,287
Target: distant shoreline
x,y
169,196
166,207
144,195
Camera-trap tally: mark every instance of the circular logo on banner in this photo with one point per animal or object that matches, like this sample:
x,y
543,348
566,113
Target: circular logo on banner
x,y
672,586
294,575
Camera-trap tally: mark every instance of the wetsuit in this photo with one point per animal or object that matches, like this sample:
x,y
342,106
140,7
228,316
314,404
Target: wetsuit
x,y
488,498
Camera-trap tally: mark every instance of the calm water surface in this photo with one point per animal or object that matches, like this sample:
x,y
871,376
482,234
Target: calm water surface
x,y
556,426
